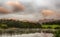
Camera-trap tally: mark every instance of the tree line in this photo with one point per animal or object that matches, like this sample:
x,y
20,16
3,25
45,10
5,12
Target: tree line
x,y
5,23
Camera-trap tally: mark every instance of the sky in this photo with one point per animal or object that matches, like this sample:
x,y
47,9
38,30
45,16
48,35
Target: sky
x,y
33,9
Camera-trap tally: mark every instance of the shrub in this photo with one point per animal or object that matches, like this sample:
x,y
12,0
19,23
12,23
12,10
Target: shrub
x,y
57,33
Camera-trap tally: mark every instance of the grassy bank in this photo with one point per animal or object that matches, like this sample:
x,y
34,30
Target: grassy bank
x,y
5,24
19,27
55,26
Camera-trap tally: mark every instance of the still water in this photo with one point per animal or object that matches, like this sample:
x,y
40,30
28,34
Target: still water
x,y
28,35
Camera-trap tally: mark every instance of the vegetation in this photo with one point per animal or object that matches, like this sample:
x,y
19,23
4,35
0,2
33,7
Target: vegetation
x,y
57,22
51,26
9,25
57,33
4,24
18,24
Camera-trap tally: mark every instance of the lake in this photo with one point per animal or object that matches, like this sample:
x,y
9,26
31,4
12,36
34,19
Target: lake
x,y
29,35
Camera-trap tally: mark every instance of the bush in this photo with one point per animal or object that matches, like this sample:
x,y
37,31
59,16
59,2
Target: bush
x,y
57,33
3,26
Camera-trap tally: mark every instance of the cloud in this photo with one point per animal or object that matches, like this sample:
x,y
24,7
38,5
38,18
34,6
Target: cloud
x,y
10,6
16,5
3,10
32,9
47,12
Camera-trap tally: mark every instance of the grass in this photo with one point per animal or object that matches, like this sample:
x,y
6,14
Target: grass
x,y
50,26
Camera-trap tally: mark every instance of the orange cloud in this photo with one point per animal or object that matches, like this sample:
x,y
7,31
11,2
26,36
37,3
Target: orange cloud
x,y
16,5
3,10
48,12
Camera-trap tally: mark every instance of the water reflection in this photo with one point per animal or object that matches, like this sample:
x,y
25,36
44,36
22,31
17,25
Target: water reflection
x,y
29,35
